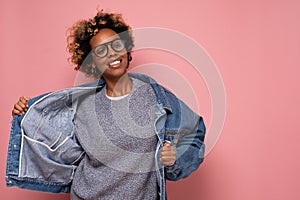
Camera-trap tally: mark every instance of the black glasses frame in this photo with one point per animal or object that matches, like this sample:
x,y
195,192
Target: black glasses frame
x,y
111,43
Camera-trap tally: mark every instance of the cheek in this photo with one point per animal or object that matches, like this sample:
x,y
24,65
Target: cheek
x,y
99,62
125,58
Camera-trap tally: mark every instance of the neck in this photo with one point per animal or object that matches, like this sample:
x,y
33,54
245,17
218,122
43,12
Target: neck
x,y
118,87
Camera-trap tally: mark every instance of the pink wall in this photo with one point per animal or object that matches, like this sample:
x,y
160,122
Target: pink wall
x,y
256,46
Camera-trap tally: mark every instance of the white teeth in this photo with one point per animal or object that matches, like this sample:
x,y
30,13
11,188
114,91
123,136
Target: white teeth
x,y
114,62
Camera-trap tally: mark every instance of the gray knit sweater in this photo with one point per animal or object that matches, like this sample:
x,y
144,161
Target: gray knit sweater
x,y
128,172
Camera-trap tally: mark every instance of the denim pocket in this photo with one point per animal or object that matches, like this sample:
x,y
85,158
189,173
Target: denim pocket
x,y
50,128
50,150
49,124
39,162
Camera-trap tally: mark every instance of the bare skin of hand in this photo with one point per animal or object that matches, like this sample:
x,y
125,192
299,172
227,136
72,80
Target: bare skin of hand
x,y
167,154
21,106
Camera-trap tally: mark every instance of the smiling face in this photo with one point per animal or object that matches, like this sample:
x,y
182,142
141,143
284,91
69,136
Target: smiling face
x,y
113,63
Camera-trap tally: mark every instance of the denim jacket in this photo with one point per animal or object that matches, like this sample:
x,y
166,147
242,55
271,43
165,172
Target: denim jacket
x,y
43,152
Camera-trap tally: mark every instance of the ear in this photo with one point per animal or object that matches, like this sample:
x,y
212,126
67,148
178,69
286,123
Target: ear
x,y
129,57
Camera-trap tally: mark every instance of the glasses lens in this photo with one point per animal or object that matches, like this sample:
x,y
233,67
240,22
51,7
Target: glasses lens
x,y
101,50
118,45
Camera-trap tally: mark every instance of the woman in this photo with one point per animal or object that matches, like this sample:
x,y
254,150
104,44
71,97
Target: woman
x,y
119,137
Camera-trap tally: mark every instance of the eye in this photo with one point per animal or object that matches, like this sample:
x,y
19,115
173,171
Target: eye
x,y
100,50
118,45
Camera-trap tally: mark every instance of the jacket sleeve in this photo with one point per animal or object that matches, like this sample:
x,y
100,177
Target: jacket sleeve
x,y
188,142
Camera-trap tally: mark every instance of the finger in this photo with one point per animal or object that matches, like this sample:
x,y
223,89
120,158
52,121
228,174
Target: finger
x,y
19,107
164,160
167,148
23,100
16,112
167,152
170,154
27,98
167,162
167,143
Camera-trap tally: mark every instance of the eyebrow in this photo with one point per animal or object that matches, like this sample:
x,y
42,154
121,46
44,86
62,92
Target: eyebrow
x,y
108,42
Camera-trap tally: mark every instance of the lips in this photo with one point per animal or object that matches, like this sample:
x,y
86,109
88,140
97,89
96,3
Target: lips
x,y
115,63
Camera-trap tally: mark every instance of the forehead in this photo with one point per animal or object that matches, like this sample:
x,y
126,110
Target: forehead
x,y
104,35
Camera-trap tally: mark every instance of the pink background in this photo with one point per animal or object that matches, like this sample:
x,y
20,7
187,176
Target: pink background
x,y
256,46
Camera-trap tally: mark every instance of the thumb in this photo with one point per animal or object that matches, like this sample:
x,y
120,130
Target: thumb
x,y
27,98
167,143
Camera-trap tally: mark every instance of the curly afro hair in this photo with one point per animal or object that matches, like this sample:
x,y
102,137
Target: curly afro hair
x,y
80,34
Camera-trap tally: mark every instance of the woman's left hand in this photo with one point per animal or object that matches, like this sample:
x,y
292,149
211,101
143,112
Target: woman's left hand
x,y
167,154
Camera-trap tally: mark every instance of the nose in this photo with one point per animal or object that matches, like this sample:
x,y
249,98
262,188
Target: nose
x,y
110,51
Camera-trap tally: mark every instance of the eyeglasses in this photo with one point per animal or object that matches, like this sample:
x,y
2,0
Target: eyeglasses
x,y
102,49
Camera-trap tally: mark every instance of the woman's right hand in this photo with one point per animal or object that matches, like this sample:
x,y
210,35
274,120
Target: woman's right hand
x,y
21,106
